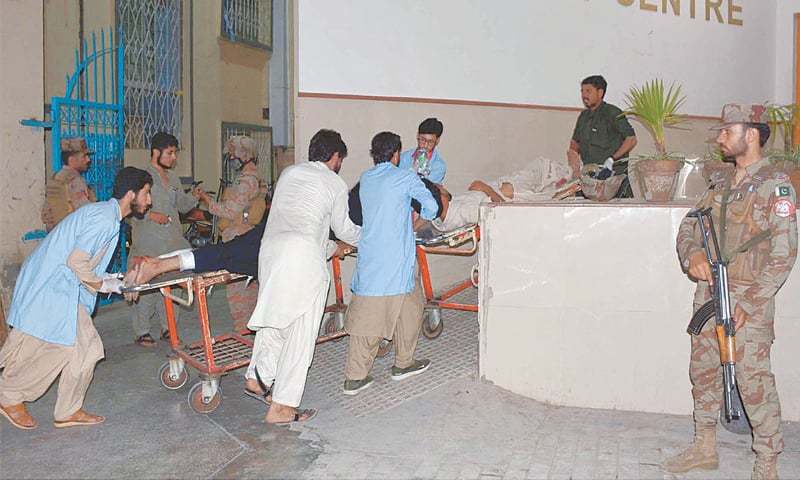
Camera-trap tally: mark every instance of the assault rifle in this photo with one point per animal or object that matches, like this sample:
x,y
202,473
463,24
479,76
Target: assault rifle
x,y
720,307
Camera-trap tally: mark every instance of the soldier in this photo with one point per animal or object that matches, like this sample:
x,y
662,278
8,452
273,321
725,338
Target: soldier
x,y
758,235
67,190
242,207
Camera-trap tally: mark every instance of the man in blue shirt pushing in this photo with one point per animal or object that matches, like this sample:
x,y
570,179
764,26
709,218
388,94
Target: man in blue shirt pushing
x,y
53,301
387,299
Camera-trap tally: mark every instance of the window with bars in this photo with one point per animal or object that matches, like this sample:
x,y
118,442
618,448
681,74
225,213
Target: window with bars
x,y
263,137
152,34
248,21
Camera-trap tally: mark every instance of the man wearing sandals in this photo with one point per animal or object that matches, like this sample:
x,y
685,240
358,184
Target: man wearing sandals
x,y
160,231
51,308
310,200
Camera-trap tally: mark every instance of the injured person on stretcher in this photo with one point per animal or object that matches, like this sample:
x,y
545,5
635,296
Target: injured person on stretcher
x,y
537,181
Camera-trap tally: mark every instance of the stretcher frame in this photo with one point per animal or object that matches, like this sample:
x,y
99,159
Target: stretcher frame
x,y
446,243
213,355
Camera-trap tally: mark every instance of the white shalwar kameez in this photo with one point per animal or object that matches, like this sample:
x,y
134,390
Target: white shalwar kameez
x,y
309,200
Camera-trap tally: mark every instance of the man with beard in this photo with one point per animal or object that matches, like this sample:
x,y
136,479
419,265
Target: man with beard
x,y
602,133
754,211
160,230
242,206
310,200
51,308
387,299
67,190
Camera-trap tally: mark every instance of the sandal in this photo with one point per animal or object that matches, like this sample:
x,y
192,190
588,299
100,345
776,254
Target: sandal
x,y
306,415
265,397
146,340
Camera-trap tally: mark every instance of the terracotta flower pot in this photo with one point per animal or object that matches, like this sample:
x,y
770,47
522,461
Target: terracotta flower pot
x,y
657,178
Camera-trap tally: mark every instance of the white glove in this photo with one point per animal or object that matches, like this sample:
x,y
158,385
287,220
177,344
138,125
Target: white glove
x,y
111,284
609,163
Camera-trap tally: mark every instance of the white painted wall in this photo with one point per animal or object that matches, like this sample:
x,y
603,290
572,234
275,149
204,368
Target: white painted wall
x,y
21,148
586,305
784,50
534,52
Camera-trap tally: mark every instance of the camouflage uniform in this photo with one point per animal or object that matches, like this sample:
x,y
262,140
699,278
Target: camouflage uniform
x,y
762,201
67,191
235,208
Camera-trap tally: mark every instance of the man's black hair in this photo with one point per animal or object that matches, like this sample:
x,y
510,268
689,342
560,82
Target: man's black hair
x,y
65,157
324,144
763,132
597,81
356,213
162,141
130,179
434,189
431,126
384,146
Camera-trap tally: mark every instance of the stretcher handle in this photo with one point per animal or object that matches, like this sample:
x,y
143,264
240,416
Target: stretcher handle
x,y
472,236
187,302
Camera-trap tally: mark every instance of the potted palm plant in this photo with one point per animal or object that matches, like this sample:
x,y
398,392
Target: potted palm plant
x,y
782,120
656,107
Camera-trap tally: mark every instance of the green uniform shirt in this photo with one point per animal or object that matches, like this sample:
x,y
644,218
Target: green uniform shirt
x,y
600,133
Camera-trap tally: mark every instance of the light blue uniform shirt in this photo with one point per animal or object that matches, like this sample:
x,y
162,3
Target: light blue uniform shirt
x,y
48,293
437,166
387,259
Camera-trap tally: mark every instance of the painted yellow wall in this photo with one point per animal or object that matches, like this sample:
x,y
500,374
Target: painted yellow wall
x,y
21,148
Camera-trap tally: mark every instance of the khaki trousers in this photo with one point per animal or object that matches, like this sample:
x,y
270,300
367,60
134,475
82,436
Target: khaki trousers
x,y
31,366
402,311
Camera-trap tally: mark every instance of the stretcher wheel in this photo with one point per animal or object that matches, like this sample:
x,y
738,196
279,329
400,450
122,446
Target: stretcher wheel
x,y
201,405
432,323
168,382
334,322
384,348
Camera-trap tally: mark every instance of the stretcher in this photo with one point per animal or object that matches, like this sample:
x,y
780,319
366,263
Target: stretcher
x,y
429,241
213,355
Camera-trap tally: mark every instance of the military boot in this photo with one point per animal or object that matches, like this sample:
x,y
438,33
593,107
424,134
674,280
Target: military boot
x,y
702,453
765,468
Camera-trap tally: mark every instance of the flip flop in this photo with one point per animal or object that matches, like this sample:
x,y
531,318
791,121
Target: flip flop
x,y
261,397
308,413
146,341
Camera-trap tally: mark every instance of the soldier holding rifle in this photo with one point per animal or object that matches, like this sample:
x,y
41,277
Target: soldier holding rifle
x,y
753,211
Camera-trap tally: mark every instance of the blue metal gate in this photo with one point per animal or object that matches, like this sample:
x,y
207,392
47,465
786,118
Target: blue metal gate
x,y
92,108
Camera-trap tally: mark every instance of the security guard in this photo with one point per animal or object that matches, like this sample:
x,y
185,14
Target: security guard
x,y
753,209
67,190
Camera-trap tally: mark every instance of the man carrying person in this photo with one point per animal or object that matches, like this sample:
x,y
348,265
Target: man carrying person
x,y
67,190
387,300
602,134
310,200
160,230
754,210
51,308
425,159
242,206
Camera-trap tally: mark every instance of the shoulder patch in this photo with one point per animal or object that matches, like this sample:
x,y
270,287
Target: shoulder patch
x,y
784,208
782,191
